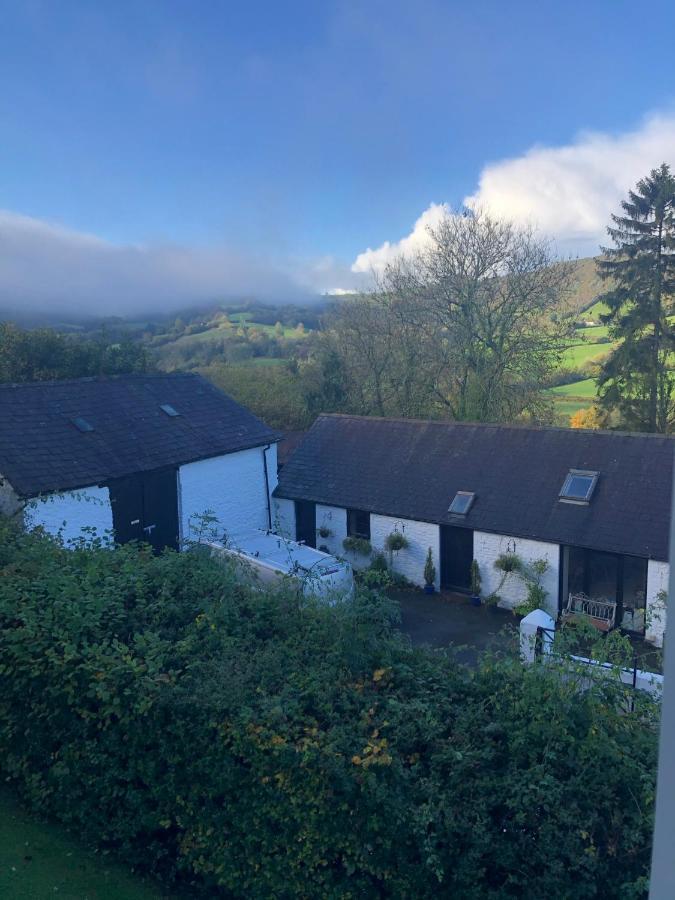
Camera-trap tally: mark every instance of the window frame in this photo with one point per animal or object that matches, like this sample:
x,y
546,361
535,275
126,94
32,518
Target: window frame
x,y
472,497
353,523
579,473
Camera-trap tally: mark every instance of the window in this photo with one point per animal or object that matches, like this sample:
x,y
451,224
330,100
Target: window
x,y
168,409
358,524
82,425
578,486
461,503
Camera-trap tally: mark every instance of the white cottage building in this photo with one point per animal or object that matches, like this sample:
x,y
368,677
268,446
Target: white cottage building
x,y
594,504
136,457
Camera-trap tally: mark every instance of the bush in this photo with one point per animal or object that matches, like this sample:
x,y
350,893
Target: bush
x,y
262,745
396,541
360,546
429,568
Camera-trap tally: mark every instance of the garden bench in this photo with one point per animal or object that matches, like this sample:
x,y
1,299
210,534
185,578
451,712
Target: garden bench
x,y
599,611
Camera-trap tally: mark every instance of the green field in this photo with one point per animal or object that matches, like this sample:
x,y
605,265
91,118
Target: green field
x,y
578,354
594,312
39,861
585,389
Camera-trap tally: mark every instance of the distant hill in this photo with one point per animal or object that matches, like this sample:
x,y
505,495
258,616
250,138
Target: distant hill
x,y
586,286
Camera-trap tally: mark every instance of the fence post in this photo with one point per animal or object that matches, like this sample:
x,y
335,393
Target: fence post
x,y
531,625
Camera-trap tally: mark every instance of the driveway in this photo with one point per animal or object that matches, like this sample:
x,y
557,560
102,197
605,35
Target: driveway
x,y
449,620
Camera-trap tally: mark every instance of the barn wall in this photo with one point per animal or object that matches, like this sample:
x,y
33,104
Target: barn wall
x,y
335,519
66,514
658,574
283,517
231,487
486,549
420,536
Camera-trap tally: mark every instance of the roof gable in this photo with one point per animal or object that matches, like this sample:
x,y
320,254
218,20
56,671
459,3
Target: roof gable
x,y
413,469
43,450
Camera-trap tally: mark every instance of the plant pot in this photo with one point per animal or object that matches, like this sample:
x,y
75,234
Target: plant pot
x,y
429,588
475,599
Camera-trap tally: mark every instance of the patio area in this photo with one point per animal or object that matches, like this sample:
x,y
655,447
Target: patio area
x,y
448,620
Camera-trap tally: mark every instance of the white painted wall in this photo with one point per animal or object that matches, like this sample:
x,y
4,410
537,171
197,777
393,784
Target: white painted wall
x,y
657,580
283,517
486,549
9,500
420,535
231,487
335,519
68,513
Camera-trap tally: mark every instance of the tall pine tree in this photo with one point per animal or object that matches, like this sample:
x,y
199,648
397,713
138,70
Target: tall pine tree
x,y
638,379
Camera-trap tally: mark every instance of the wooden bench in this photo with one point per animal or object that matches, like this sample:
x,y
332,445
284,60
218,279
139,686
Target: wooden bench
x,y
599,611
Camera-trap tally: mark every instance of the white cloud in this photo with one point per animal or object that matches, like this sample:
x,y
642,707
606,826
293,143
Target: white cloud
x,y
567,192
376,260
46,268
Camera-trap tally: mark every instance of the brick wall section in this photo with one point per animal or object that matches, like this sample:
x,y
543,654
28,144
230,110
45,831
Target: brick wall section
x,y
658,574
231,486
85,508
420,535
487,547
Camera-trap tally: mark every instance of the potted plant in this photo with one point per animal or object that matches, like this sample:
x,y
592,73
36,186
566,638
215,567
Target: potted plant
x,y
475,583
358,545
396,541
429,573
324,531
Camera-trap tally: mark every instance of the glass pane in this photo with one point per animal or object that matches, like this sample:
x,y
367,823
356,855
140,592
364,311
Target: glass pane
x,y
577,487
602,574
634,593
461,504
576,572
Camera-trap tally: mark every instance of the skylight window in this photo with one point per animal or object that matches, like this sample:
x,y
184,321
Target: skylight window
x,y
168,409
82,425
579,486
461,503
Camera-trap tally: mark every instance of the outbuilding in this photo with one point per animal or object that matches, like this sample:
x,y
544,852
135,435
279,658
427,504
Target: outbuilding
x,y
136,457
594,505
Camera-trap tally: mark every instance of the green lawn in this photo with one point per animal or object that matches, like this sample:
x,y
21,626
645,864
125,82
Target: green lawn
x,y
39,861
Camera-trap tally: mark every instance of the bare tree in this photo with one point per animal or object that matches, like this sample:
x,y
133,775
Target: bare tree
x,y
472,326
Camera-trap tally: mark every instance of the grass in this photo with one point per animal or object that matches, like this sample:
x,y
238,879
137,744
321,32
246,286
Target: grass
x,y
584,389
578,354
39,860
566,407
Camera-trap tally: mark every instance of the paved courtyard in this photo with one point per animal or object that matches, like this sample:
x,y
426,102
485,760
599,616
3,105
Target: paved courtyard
x,y
449,620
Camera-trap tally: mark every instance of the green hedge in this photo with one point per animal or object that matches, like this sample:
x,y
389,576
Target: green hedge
x,y
260,746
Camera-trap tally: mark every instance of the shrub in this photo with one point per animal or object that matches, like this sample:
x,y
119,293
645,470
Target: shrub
x,y
508,563
396,541
475,578
429,568
259,744
360,546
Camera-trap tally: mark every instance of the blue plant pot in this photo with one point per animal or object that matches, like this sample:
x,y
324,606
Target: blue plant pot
x,y
475,600
428,588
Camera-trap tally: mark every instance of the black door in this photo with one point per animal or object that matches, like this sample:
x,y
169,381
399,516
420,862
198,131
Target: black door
x,y
145,508
456,557
305,522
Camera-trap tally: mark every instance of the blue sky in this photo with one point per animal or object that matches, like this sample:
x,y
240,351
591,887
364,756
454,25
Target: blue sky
x,y
294,136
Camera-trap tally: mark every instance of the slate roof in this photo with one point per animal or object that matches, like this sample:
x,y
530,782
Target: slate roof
x,y
42,451
413,469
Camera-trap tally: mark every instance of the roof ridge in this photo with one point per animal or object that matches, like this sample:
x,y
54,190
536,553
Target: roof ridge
x,y
516,426
125,376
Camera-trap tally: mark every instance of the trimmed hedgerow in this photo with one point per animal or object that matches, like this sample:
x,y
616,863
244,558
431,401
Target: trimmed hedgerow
x,y
258,745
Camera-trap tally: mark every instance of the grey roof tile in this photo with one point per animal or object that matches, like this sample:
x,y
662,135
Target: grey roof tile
x,y
414,468
42,451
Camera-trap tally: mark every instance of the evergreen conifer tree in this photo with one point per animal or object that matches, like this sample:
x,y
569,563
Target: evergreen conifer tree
x,y
638,380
